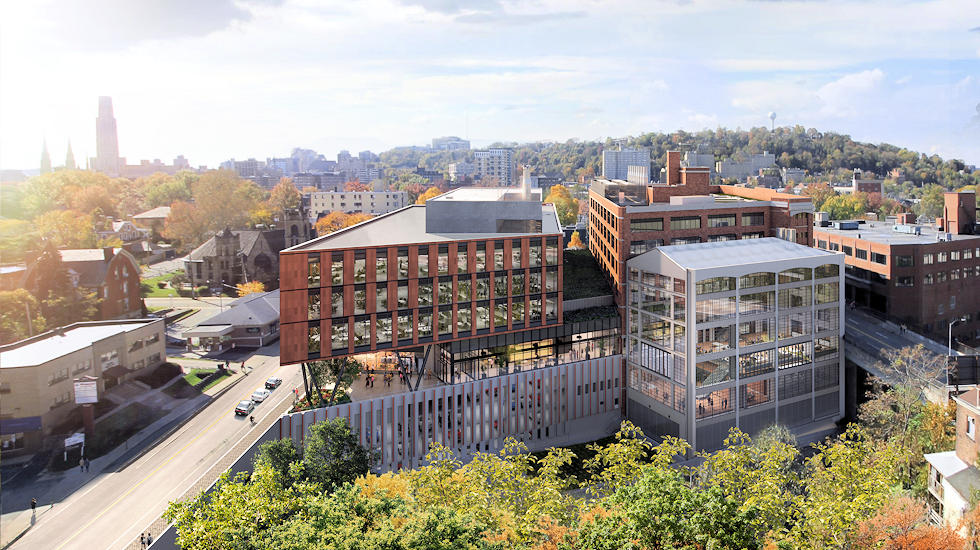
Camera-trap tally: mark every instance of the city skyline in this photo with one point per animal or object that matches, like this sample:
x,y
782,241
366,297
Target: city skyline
x,y
259,78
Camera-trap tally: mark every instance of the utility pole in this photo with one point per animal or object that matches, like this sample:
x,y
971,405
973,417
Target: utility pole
x,y
30,325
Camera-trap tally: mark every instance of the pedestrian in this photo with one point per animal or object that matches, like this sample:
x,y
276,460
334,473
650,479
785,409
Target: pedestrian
x,y
142,540
81,465
367,380
33,504
149,539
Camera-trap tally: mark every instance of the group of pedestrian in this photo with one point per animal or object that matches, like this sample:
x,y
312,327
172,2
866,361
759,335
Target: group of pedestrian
x,y
146,540
369,381
84,464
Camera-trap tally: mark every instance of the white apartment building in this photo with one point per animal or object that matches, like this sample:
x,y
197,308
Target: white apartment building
x,y
745,333
369,202
497,164
460,170
615,164
741,170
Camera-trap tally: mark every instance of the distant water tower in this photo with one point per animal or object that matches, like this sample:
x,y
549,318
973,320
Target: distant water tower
x,y
772,119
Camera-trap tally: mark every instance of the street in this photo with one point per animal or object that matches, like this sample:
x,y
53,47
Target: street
x,y
114,508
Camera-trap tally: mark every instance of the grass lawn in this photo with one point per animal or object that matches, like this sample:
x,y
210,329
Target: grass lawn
x,y
154,290
195,376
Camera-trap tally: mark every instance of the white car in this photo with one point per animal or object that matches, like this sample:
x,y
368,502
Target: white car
x,y
259,396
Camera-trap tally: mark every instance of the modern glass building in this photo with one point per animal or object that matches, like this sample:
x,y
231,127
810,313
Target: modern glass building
x,y
744,333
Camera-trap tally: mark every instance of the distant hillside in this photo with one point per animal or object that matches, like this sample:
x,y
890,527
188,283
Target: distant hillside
x,y
827,153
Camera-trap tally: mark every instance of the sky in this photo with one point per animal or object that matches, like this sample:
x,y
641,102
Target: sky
x,y
221,79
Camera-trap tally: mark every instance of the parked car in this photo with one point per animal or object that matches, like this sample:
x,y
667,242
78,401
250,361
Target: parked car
x,y
244,407
259,396
273,382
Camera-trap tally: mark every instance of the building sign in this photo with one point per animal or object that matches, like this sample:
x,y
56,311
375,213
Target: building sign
x,y
20,425
75,439
86,390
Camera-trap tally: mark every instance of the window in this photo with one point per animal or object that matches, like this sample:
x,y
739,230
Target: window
x,y
647,224
423,260
482,318
904,261
515,255
534,254
828,319
825,348
721,220
827,270
795,275
552,251
714,371
445,321
968,254
927,259
534,310
313,340
710,340
822,244
360,268
827,293
337,269
756,363
861,254
714,403
443,260
360,300
402,263
534,282
639,247
971,427
362,332
462,260
58,376
381,271
685,240
721,238
795,297
941,257
381,298
826,376
313,272
954,255
425,324
500,314
879,258
337,301
517,284
954,274
834,247
756,332
757,218
481,257
905,282
463,289
483,286
759,302
405,327
686,222
551,280
425,292
715,284
928,279
756,393
517,312
848,251
940,276
382,329
498,255
753,280
713,309
464,321
445,291
313,306
795,355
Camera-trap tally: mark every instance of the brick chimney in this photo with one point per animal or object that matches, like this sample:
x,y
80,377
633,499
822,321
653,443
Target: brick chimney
x,y
673,168
108,253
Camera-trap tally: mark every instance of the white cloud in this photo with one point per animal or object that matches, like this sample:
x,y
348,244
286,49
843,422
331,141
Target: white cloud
x,y
846,95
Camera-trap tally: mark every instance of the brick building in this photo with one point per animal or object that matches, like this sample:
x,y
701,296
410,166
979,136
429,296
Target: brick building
x,y
925,276
626,220
472,262
953,475
111,273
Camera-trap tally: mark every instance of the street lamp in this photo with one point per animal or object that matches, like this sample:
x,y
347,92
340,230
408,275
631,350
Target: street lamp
x,y
961,319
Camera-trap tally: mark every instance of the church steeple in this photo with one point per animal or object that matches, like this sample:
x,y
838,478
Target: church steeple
x,y
45,158
70,158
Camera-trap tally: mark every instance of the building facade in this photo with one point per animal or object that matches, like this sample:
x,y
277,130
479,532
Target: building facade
x,y
450,143
626,220
925,276
369,202
36,374
106,140
953,475
615,164
496,165
113,274
742,169
739,334
425,274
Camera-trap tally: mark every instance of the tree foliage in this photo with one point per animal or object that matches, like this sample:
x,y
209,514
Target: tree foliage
x,y
565,205
250,287
429,193
337,220
15,306
284,196
66,228
575,243
903,524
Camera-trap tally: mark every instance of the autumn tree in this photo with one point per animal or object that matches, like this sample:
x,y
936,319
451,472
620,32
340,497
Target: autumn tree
x,y
575,243
66,228
844,207
59,302
819,193
338,220
15,307
428,194
185,224
565,205
903,524
163,190
250,287
284,196
356,186
224,199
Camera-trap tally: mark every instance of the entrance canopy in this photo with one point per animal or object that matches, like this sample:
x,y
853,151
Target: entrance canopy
x,y
208,331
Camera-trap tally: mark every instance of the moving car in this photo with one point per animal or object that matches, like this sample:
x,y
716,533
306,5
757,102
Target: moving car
x,y
244,407
259,395
273,382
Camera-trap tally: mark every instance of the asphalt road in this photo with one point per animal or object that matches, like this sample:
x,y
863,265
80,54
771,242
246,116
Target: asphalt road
x,y
116,507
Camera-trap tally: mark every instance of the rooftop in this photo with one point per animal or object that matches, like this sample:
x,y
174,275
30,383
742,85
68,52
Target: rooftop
x,y
885,233
407,226
51,345
249,310
487,194
158,212
737,252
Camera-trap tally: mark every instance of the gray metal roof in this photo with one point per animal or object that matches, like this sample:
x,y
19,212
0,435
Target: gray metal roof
x,y
881,232
737,252
251,310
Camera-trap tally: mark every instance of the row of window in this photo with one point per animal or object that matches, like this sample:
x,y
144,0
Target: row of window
x,y
941,276
430,292
484,259
901,260
713,309
752,280
427,322
762,392
694,222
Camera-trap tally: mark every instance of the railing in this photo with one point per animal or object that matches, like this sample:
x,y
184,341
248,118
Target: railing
x,y
583,303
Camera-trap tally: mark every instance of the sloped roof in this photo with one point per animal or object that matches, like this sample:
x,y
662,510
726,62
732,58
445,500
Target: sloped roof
x,y
154,213
89,264
247,241
254,309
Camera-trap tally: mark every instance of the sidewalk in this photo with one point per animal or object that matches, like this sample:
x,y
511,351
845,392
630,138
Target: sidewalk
x,y
66,483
